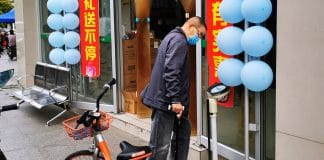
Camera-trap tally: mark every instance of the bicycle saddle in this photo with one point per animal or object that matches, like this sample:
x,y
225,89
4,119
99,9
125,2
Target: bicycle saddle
x,y
133,152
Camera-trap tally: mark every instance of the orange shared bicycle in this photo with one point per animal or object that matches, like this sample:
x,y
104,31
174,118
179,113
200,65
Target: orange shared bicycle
x,y
93,123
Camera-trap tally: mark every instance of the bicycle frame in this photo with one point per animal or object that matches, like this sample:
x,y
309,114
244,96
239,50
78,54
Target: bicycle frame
x,y
98,138
100,146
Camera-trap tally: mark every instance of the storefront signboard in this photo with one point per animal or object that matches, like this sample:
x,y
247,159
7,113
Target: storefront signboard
x,y
89,35
215,24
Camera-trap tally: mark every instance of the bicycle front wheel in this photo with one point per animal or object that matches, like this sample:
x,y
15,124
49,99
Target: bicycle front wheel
x,y
82,155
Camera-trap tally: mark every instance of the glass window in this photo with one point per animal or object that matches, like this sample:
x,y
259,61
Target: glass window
x,y
84,89
230,122
45,31
87,89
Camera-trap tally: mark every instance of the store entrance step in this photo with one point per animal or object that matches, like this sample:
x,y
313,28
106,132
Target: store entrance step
x,y
141,127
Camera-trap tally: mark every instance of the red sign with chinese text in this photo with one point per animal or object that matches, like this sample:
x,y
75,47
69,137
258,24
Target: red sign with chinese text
x,y
89,35
215,24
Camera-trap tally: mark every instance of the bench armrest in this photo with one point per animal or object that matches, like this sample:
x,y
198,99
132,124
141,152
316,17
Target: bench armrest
x,y
21,77
51,92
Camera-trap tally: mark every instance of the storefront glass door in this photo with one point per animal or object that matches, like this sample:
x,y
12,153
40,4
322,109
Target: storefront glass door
x,y
231,121
231,126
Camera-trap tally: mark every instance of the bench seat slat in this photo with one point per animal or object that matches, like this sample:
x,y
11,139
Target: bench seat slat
x,y
40,99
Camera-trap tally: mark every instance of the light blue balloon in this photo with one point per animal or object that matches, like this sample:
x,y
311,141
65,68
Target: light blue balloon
x,y
230,11
55,39
54,6
72,56
54,21
56,56
229,40
229,72
256,11
71,21
257,41
71,39
256,75
70,5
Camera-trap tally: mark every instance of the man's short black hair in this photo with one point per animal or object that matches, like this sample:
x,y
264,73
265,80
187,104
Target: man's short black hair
x,y
201,21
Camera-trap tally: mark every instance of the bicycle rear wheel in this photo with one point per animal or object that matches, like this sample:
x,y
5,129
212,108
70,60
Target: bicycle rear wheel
x,y
82,155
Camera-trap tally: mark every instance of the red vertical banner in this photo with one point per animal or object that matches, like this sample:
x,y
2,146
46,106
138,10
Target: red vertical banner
x,y
215,24
89,36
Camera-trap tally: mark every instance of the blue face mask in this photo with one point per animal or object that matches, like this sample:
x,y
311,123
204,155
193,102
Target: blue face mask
x,y
193,39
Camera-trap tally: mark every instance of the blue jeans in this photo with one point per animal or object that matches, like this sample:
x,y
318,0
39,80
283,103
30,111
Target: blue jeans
x,y
164,126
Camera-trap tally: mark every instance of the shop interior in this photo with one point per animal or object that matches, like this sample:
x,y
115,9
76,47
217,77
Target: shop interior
x,y
141,40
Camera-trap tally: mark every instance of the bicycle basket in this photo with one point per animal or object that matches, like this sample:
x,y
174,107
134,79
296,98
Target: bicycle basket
x,y
82,131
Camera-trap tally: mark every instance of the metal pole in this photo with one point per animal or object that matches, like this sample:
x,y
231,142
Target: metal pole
x,y
258,127
208,131
246,110
212,115
246,123
115,22
199,82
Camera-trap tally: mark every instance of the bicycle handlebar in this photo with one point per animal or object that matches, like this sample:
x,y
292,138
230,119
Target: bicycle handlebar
x,y
106,87
8,107
83,119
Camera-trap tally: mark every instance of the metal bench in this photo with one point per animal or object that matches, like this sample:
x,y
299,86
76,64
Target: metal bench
x,y
51,87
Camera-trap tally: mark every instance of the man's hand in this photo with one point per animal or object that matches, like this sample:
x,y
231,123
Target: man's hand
x,y
178,108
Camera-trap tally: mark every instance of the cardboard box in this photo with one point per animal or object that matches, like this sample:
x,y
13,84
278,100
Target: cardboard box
x,y
129,64
130,69
129,50
129,44
130,82
130,101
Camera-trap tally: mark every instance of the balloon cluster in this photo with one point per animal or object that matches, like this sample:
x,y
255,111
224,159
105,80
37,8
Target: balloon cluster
x,y
67,23
256,41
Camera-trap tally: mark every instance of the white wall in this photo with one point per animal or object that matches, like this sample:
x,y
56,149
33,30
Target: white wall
x,y
300,80
27,35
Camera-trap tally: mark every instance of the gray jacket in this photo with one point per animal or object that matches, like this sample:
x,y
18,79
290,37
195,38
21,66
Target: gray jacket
x,y
169,81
